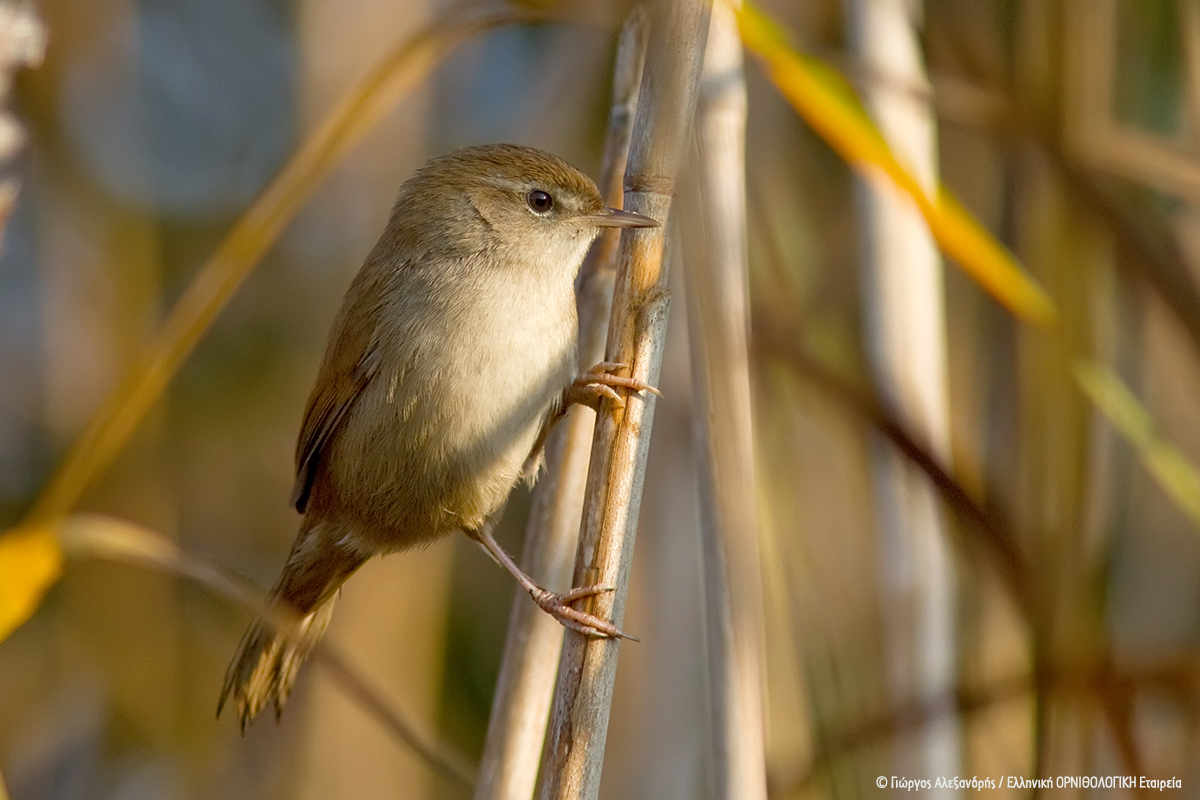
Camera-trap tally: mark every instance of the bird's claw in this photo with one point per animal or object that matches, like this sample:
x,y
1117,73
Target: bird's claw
x,y
602,381
559,607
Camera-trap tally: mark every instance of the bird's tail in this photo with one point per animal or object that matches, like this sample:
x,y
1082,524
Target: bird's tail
x,y
266,663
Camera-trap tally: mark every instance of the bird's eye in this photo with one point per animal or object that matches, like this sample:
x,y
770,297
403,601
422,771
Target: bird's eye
x,y
539,201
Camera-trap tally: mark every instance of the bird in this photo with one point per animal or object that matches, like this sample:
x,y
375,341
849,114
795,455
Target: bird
x,y
451,356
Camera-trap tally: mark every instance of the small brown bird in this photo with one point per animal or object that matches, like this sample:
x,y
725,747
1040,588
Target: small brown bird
x,y
452,354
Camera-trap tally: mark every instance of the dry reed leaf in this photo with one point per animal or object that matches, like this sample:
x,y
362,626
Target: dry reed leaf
x,y
30,562
1172,471
829,105
113,539
98,536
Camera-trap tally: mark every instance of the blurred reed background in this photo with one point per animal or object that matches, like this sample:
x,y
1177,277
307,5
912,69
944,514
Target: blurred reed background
x,y
1070,128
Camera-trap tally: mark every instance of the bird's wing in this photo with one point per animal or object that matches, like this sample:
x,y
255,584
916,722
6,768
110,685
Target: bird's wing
x,y
348,367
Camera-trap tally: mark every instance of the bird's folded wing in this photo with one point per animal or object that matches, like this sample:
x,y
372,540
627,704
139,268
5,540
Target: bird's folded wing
x,y
345,372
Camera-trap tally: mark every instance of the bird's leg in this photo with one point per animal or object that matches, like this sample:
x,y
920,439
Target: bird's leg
x,y
602,381
556,605
588,390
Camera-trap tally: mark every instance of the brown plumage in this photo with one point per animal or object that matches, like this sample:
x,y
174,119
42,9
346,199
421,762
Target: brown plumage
x,y
453,348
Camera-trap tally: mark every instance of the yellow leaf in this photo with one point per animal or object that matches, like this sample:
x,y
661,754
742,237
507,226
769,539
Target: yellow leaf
x,y
828,104
1175,475
30,562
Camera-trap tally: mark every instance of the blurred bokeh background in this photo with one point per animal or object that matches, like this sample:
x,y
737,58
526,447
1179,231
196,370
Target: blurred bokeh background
x,y
1071,128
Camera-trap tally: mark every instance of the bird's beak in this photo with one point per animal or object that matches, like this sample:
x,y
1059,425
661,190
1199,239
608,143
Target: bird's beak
x,y
612,218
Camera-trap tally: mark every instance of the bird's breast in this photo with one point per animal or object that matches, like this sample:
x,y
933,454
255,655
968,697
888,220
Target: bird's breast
x,y
461,399
512,351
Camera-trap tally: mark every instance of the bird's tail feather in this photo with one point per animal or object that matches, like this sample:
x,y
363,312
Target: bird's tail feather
x,y
268,658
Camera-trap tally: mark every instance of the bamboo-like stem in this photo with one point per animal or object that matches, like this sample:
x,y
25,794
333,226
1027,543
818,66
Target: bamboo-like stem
x,y
907,341
574,753
521,705
718,328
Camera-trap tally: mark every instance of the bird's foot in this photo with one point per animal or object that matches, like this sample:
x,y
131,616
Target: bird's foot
x,y
602,381
559,607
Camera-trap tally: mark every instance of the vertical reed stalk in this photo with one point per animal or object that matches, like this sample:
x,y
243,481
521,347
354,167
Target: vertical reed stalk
x,y
718,326
524,689
907,342
573,758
